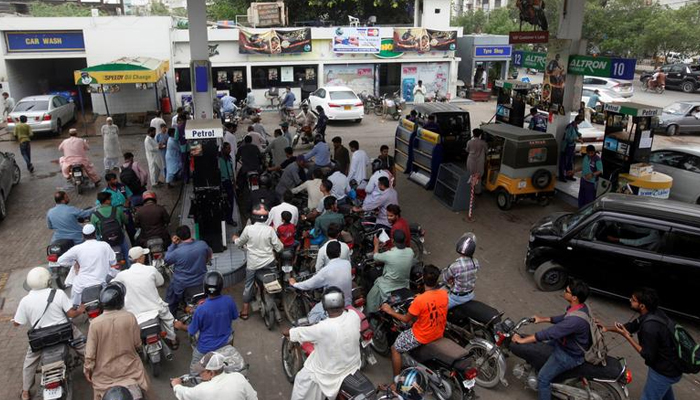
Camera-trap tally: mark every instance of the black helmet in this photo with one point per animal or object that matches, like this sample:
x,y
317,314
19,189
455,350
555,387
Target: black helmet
x,y
333,298
117,393
213,283
112,296
466,245
411,384
265,181
260,213
376,165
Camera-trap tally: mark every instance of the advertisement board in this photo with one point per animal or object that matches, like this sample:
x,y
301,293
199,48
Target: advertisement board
x,y
555,76
358,77
357,40
44,41
274,41
433,75
424,40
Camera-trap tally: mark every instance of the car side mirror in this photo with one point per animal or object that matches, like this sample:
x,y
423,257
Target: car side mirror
x,y
697,115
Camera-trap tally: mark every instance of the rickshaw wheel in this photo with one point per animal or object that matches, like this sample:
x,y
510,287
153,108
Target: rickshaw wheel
x,y
503,199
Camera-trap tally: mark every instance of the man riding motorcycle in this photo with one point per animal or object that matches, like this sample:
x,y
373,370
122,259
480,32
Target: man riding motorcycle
x,y
461,274
75,152
306,121
287,102
658,79
216,382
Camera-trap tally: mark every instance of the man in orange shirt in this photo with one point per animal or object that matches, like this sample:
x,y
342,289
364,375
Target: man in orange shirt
x,y
428,312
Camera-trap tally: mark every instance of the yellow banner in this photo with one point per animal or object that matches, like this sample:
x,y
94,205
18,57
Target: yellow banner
x,y
429,136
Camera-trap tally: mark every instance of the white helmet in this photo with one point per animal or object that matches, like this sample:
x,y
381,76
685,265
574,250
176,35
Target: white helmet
x,y
39,278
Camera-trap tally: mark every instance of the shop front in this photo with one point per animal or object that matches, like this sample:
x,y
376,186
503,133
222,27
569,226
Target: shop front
x,y
485,59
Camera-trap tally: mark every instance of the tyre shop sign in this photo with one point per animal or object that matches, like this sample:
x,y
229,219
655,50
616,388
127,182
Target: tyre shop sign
x,y
44,41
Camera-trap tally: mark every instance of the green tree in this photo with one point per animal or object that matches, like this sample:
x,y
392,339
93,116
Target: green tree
x,y
158,8
221,10
39,9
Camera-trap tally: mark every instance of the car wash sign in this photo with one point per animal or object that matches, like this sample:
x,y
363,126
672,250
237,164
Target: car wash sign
x,y
198,129
44,41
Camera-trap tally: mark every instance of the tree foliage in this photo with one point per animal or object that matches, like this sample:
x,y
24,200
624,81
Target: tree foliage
x,y
39,9
625,28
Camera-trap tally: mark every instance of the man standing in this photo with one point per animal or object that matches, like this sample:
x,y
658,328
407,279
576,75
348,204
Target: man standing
x,y
64,220
358,165
568,148
136,181
23,133
112,147
262,242
111,357
419,92
341,155
336,351
216,383
396,273
92,261
189,258
162,140
157,121
250,158
592,168
288,100
476,160
153,157
571,335
338,273
428,312
387,195
41,308
75,152
276,148
153,219
142,299
8,104
211,320
227,181
538,122
656,344
230,137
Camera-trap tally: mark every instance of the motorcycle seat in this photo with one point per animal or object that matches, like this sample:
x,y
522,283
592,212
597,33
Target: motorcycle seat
x,y
611,370
443,350
414,227
145,323
54,354
475,310
399,295
91,294
356,384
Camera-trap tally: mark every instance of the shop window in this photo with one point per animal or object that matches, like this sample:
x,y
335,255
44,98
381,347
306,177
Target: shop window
x,y
265,77
182,80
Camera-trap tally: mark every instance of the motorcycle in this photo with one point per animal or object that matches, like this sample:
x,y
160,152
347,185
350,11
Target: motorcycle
x,y
649,84
269,298
91,298
121,257
156,258
392,107
247,111
437,98
231,116
371,103
585,382
152,343
192,298
58,272
253,178
57,365
78,177
448,368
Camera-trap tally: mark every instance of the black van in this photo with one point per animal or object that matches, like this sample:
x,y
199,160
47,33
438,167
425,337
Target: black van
x,y
619,243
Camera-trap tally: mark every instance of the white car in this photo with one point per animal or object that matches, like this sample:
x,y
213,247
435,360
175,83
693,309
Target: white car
x,y
683,165
339,103
604,95
47,113
623,88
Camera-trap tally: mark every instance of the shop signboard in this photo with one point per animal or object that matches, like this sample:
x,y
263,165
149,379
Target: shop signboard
x,y
274,41
632,111
44,41
528,37
424,40
387,50
606,67
357,40
268,14
492,51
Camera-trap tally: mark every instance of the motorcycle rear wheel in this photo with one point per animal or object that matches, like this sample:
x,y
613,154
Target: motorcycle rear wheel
x,y
488,373
449,388
291,359
378,111
269,316
380,340
293,306
155,369
417,247
605,390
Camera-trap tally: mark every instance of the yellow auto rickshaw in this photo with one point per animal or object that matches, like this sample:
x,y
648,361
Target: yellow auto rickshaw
x,y
520,163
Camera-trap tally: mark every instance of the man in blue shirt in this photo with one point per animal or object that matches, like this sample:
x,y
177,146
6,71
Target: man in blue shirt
x,y
212,319
567,148
594,99
538,122
289,99
228,103
321,152
189,258
64,219
591,169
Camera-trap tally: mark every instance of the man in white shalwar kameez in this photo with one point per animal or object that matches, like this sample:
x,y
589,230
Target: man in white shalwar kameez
x,y
112,148
153,156
336,350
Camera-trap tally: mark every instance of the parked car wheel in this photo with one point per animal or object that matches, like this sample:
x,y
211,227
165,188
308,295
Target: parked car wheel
x,y
550,277
672,130
688,87
504,199
3,208
59,127
359,120
16,174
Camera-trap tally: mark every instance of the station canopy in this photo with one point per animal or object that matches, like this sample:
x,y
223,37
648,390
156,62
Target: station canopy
x,y
122,71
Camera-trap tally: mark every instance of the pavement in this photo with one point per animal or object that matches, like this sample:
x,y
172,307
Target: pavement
x,y
502,242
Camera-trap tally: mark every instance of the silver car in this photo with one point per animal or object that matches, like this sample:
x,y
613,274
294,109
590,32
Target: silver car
x,y
9,177
47,113
623,88
683,165
680,117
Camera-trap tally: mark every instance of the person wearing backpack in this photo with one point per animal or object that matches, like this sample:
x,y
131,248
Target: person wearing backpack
x,y
135,177
656,345
110,221
121,198
569,338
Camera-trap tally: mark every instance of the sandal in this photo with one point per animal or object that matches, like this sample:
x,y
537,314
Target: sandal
x,y
244,317
21,393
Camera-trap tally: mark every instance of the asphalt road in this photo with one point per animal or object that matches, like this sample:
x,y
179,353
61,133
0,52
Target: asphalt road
x,y
502,282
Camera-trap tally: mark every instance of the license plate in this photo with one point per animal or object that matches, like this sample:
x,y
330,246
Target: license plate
x,y
77,173
522,184
55,393
366,343
371,359
347,107
469,383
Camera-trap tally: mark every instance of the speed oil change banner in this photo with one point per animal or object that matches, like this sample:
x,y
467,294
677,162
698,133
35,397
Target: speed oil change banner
x,y
274,41
424,40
